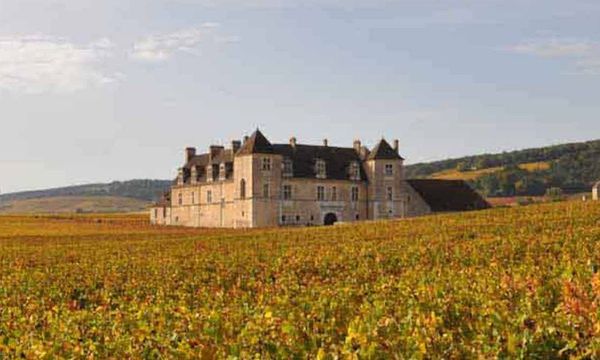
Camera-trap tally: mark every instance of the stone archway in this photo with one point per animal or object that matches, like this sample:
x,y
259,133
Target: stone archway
x,y
330,219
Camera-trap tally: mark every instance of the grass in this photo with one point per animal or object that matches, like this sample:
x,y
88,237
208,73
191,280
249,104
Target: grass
x,y
502,283
453,174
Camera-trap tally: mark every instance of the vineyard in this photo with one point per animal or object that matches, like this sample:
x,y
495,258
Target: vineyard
x,y
503,283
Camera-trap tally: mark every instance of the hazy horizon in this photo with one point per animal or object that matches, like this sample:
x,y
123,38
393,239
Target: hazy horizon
x,y
96,91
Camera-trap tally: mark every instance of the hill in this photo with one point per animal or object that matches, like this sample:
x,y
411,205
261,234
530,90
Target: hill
x,y
571,167
74,204
147,190
508,283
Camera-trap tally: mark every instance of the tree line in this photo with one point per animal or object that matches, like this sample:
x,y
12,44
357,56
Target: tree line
x,y
572,168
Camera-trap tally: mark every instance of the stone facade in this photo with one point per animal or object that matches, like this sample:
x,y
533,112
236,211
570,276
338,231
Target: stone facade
x,y
259,184
596,192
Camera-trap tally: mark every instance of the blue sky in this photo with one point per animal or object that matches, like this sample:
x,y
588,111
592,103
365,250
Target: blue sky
x,y
113,90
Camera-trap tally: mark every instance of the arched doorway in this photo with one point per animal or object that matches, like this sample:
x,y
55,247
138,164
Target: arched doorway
x,y
330,219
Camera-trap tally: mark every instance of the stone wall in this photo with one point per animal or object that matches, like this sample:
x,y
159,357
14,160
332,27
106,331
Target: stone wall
x,y
414,203
596,193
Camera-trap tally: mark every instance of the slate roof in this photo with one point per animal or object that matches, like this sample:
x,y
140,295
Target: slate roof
x,y
337,160
448,195
383,151
257,143
164,201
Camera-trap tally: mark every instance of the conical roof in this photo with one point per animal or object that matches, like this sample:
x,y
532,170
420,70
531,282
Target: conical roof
x,y
383,151
256,144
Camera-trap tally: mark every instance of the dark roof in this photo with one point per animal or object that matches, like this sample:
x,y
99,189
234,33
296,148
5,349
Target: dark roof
x,y
256,144
448,195
164,201
383,151
304,157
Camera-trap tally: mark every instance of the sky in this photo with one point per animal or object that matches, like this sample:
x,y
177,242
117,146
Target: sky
x,y
102,90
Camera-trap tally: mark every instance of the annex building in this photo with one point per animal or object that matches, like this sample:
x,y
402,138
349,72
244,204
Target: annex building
x,y
255,183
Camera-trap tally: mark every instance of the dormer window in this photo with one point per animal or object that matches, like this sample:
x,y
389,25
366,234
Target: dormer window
x,y
209,173
266,164
222,171
288,169
321,169
355,171
389,170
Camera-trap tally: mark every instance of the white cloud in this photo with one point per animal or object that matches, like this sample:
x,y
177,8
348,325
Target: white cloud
x,y
41,63
554,47
161,47
584,54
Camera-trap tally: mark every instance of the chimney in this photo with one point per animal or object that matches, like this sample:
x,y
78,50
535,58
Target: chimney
x,y
325,142
396,145
214,150
190,152
236,145
357,145
293,142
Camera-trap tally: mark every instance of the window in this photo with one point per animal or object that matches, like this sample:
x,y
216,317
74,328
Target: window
x,y
355,171
243,189
287,192
357,217
283,218
209,196
297,218
288,169
266,164
266,190
389,170
333,193
180,199
155,213
320,193
321,169
193,197
164,212
390,193
222,171
354,193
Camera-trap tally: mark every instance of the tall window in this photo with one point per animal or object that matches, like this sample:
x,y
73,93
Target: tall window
x,y
389,170
333,193
288,169
321,169
266,164
355,171
180,199
243,189
209,196
287,192
390,193
266,190
222,171
355,193
155,213
320,193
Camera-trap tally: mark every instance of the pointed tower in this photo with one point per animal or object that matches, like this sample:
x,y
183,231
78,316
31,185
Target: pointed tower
x,y
257,173
385,171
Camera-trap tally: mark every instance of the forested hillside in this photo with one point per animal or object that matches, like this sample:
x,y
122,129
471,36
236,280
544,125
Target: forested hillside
x,y
571,167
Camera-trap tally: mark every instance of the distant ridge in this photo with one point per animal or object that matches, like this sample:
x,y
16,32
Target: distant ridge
x,y
573,167
141,189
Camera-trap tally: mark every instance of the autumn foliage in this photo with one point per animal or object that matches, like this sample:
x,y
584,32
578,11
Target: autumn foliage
x,y
502,283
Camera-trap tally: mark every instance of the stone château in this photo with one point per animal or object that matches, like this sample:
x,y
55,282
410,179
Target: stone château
x,y
255,183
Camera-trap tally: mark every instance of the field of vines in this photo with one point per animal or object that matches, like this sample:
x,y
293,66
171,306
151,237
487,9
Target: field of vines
x,y
503,283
